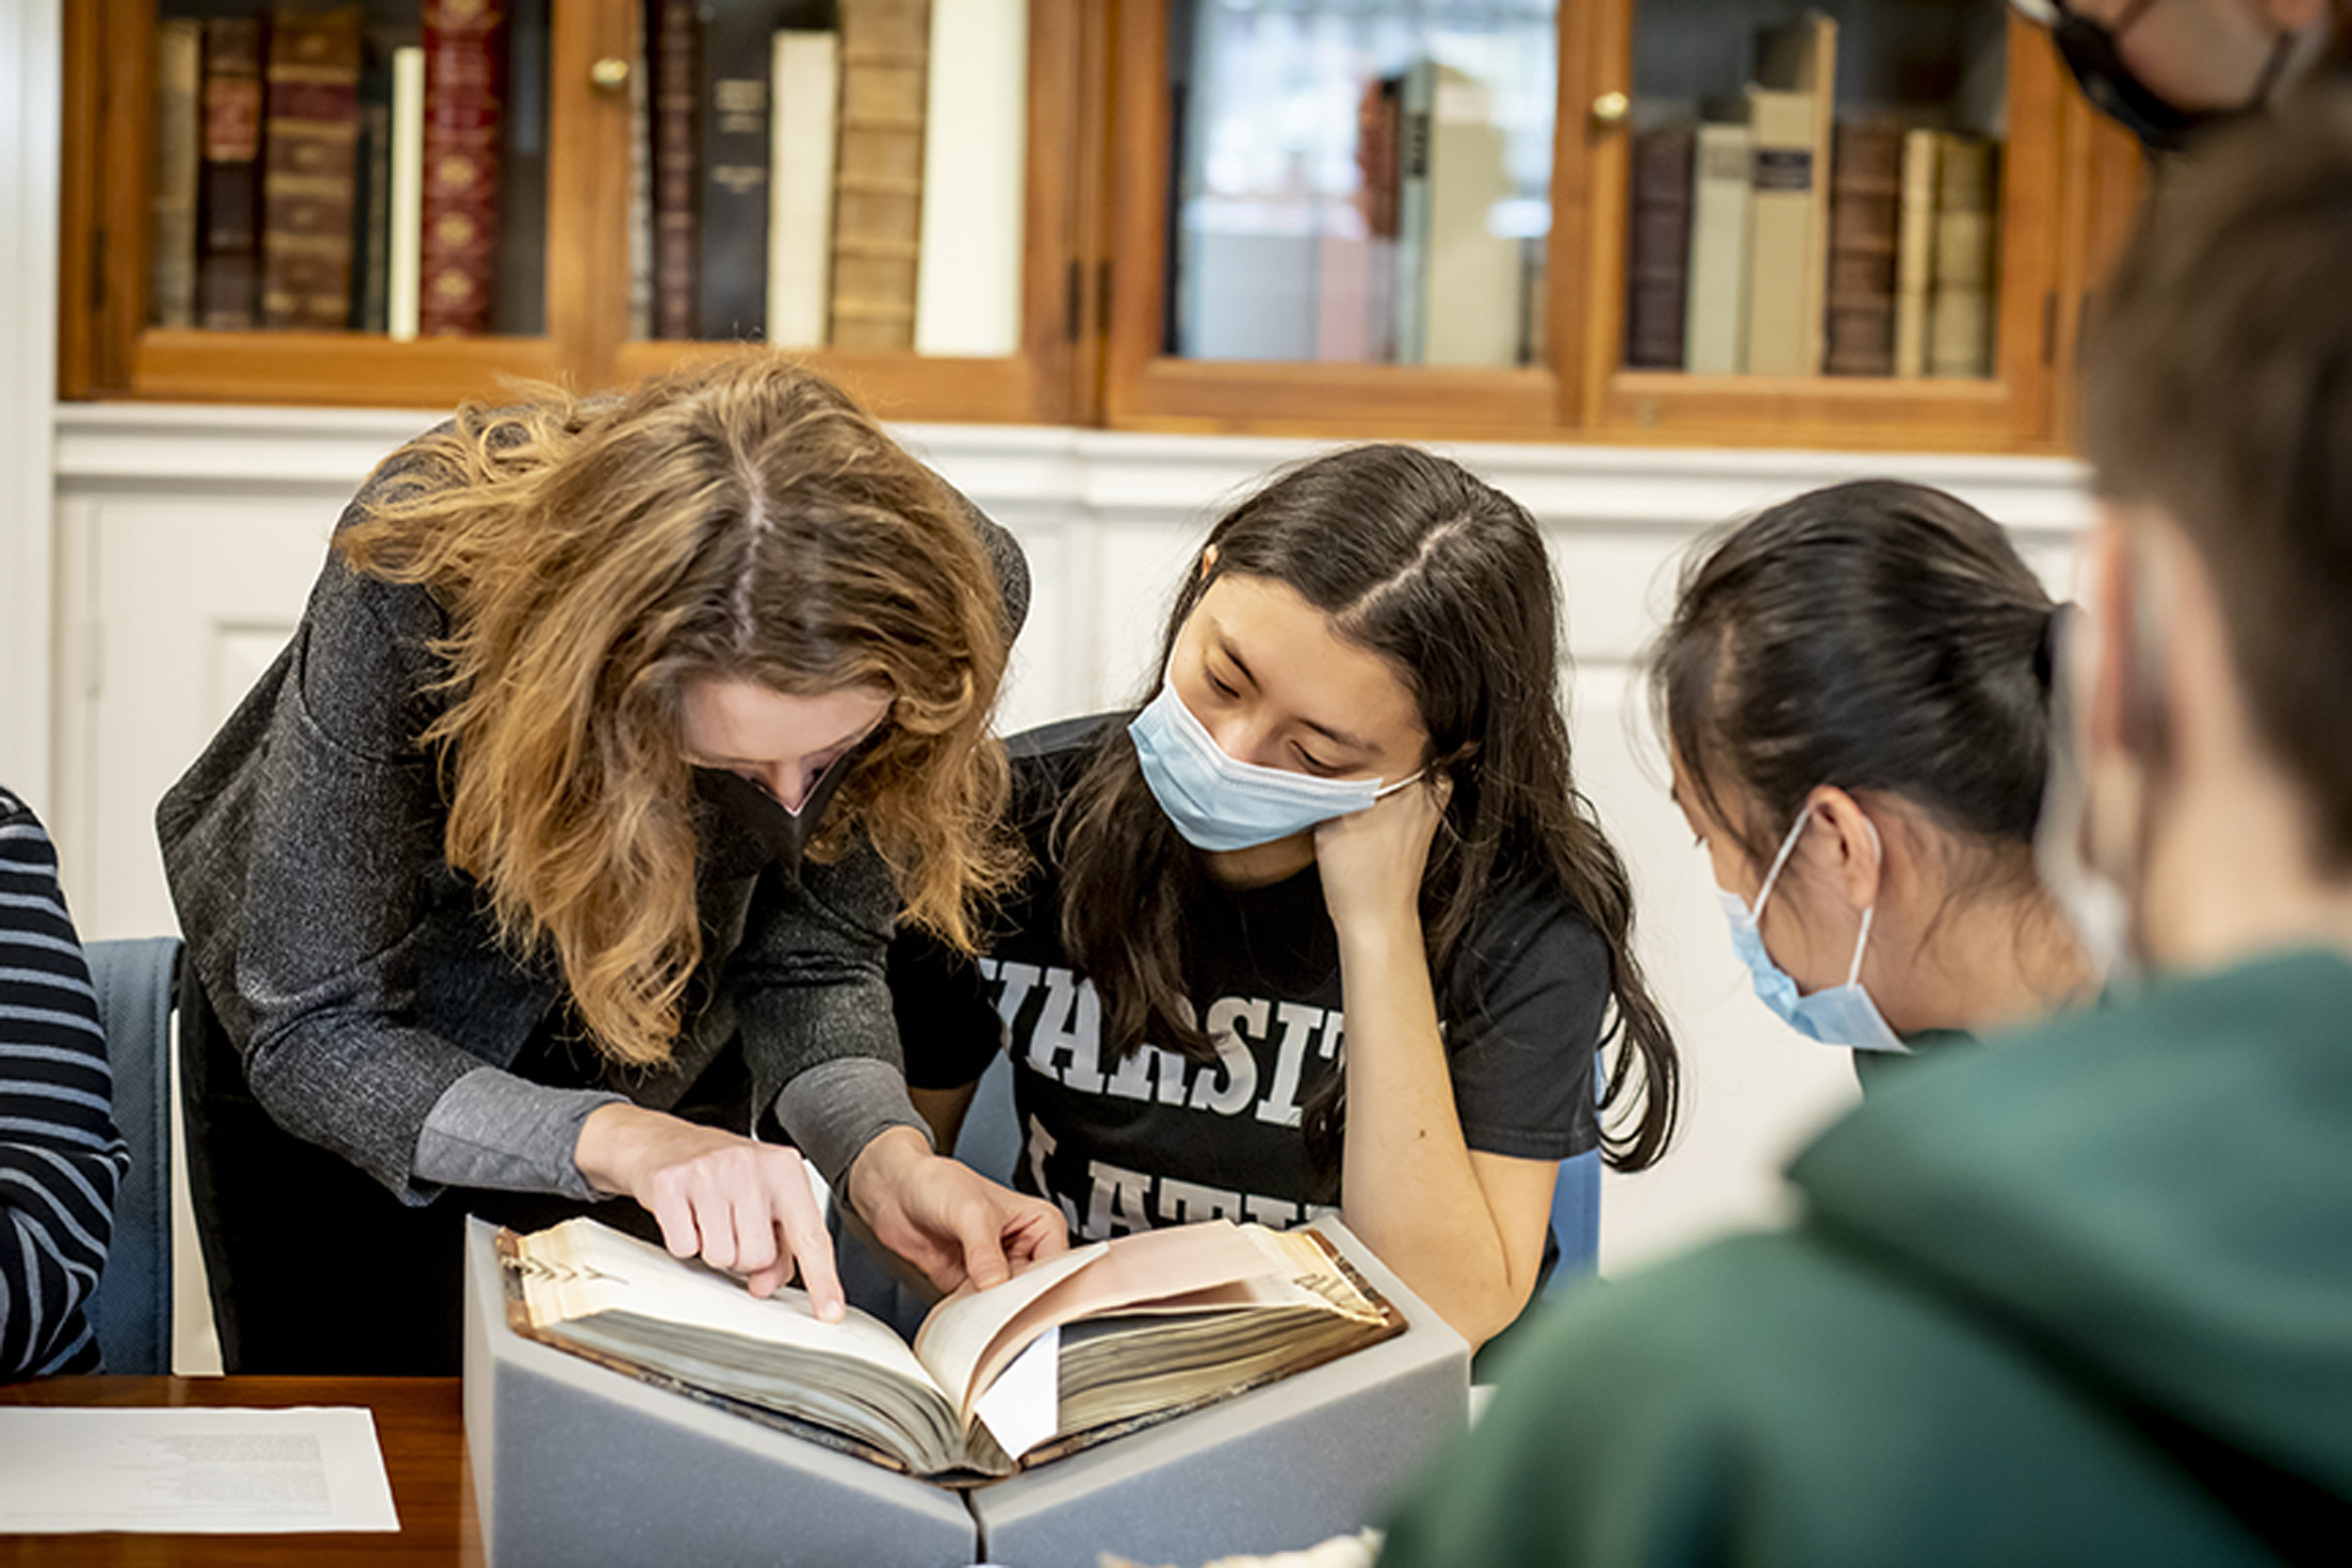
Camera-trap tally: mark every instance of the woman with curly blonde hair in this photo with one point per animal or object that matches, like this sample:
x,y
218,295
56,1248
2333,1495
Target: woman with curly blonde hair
x,y
557,857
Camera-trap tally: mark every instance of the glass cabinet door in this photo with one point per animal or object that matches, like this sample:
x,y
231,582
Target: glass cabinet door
x,y
1361,181
375,167
1336,213
409,202
1830,218
361,186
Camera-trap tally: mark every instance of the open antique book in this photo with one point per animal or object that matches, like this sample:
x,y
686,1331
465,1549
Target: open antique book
x,y
1100,1341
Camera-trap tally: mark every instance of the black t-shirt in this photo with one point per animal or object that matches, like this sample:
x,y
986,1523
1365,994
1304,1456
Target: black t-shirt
x,y
1154,1139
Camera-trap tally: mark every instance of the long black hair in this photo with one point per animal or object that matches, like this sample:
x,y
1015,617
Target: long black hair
x,y
1448,580
1872,635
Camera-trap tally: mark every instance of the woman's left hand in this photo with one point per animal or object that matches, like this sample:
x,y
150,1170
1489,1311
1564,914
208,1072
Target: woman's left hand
x,y
947,1218
1371,859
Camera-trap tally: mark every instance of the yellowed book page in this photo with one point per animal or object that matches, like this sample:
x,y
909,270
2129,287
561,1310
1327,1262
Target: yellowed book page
x,y
1134,1269
1306,1278
592,1268
960,1329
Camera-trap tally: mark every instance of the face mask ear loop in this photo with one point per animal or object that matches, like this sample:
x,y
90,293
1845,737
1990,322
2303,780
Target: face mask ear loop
x,y
1787,845
1862,941
1861,945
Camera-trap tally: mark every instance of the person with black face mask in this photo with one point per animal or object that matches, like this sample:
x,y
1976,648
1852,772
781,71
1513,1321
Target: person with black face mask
x,y
557,859
2167,71
2085,1296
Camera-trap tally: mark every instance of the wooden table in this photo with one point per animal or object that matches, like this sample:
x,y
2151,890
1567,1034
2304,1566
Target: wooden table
x,y
418,1424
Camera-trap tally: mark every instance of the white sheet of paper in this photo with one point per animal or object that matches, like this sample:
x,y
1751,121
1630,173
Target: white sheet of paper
x,y
192,1471
1023,1408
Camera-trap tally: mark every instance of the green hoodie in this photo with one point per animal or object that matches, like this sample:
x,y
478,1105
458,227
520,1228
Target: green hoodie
x,y
2085,1297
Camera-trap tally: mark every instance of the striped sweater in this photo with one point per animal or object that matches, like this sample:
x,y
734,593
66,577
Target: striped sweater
x,y
60,1155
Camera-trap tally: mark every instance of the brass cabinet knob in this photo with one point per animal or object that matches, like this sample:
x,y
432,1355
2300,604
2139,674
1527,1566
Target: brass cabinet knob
x,y
1611,108
609,74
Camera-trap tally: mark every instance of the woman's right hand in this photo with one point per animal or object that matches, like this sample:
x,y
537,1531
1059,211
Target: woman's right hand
x,y
743,1207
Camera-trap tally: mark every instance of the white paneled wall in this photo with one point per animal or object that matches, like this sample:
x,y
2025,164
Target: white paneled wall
x,y
32,55
188,538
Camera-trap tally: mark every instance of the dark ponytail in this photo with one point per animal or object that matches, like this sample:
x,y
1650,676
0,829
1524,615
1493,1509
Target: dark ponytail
x,y
1417,561
1873,636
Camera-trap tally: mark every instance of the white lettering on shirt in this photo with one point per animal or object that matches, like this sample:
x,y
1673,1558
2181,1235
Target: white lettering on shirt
x,y
1145,1065
1231,1084
1119,1202
1182,1202
1299,1023
1018,981
1072,1025
1042,1149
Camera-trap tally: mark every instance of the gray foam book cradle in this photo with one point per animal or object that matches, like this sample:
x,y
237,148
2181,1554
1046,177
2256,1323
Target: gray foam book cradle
x,y
576,1465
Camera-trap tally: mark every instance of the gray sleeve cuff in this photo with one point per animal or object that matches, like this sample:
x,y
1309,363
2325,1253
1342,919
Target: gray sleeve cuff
x,y
491,1129
835,1108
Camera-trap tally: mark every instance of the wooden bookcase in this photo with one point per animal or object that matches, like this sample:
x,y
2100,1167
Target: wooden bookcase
x,y
2069,183
1096,280
108,349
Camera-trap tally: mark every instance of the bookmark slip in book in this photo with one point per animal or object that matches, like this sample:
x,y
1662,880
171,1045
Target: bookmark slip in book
x,y
1023,1408
191,1472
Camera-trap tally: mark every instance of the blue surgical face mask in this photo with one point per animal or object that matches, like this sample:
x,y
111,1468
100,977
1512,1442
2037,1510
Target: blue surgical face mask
x,y
1836,1015
1218,802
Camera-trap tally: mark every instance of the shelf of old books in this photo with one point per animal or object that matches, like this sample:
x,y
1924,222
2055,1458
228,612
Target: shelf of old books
x,y
1686,221
880,183
1734,221
347,199
1338,215
389,201
1829,223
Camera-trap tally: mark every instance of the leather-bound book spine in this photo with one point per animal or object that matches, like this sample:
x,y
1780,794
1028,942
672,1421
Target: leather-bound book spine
x,y
179,146
676,100
878,192
372,193
229,273
312,138
464,87
641,181
519,289
1960,307
738,64
1915,252
1865,219
1658,264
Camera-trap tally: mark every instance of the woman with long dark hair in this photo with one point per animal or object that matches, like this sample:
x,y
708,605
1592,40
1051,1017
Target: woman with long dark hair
x,y
1856,688
1345,813
558,856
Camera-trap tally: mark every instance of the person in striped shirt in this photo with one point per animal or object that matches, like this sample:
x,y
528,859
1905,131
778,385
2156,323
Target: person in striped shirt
x,y
61,1157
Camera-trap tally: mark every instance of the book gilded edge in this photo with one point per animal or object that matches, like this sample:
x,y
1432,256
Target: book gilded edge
x,y
518,1320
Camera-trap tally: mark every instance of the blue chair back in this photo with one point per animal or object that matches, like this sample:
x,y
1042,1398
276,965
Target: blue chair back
x,y
1575,1220
989,1140
130,1310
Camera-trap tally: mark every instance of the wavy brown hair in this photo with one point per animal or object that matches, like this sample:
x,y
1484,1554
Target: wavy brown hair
x,y
739,520
1447,578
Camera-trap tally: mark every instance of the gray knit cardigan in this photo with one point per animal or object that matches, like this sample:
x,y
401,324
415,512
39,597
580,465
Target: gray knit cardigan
x,y
358,973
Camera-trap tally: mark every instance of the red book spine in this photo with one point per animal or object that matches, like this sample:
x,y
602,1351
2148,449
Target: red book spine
x,y
465,92
677,165
313,98
227,269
